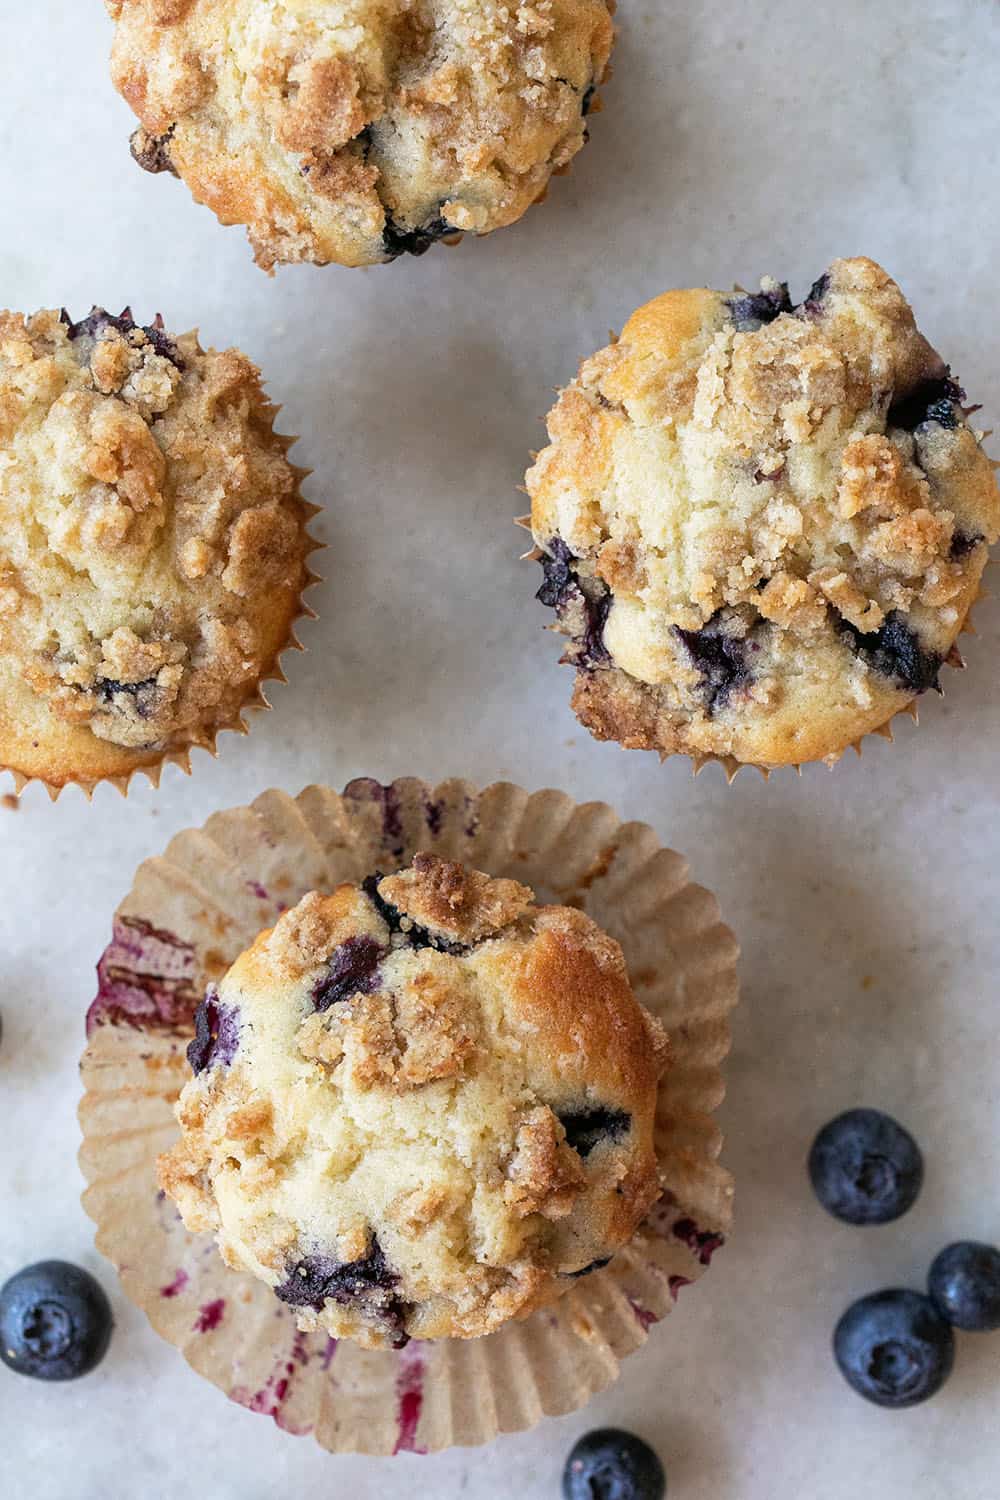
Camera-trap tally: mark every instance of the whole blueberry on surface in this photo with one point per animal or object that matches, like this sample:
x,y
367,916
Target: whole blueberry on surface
x,y
865,1168
964,1283
894,1348
613,1465
55,1321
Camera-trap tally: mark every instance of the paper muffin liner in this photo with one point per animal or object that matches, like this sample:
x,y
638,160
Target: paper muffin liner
x,y
193,909
731,767
152,765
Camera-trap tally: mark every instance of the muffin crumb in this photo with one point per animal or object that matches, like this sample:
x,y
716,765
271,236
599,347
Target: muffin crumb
x,y
422,1105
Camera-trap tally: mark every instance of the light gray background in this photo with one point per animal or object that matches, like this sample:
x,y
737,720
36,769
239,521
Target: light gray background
x,y
737,140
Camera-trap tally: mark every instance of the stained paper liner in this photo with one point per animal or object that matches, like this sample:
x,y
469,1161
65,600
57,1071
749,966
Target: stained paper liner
x,y
151,766
189,914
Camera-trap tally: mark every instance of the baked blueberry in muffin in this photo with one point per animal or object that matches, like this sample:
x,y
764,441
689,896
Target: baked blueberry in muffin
x,y
422,1105
762,525
152,543
360,130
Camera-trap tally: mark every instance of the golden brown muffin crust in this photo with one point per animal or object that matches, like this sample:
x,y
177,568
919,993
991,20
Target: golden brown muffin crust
x,y
357,130
153,544
414,1140
762,525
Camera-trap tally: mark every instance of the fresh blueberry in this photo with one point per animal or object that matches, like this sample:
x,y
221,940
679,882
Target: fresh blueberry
x,y
964,1283
894,1348
613,1465
353,970
216,1034
587,1128
865,1168
722,660
895,651
55,1321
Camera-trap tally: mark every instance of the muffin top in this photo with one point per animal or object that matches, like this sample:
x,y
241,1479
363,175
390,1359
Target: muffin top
x,y
762,525
152,542
421,1106
358,130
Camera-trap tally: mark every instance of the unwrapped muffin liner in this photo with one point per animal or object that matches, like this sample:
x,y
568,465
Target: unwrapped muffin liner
x,y
193,909
151,765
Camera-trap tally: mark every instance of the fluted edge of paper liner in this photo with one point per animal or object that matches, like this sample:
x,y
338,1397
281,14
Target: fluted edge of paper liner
x,y
192,909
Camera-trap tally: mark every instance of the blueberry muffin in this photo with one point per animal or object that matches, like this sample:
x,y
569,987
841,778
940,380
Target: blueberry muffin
x,y
762,525
421,1106
358,130
152,544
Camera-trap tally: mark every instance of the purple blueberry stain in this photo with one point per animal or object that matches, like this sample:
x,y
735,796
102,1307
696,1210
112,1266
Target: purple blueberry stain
x,y
147,978
595,1265
397,240
894,651
175,1287
703,1243
400,925
594,652
721,658
812,307
139,697
644,1316
391,915
752,310
368,1284
582,604
210,1315
410,1379
586,1129
352,970
937,400
962,543
435,811
98,321
556,561
216,1034
367,789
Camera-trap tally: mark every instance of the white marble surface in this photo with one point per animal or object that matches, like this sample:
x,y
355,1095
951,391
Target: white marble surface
x,y
738,139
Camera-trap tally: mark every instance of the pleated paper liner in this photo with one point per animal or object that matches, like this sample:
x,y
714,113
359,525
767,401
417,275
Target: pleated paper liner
x,y
188,915
731,767
151,764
